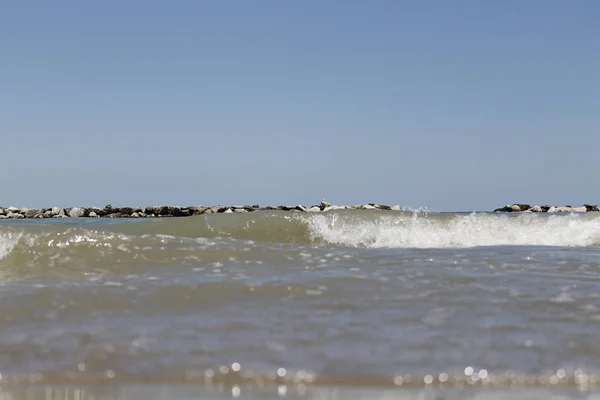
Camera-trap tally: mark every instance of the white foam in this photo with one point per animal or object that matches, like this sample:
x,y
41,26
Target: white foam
x,y
8,241
418,230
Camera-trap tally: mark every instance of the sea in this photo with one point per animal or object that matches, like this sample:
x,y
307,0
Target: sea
x,y
344,304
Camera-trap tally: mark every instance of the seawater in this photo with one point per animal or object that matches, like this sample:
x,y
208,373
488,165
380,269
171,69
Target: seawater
x,y
344,304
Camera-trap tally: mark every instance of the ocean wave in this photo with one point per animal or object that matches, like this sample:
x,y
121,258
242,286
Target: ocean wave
x,y
173,240
426,230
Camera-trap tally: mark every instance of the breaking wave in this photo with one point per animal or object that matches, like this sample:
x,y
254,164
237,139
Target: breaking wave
x,y
93,243
422,230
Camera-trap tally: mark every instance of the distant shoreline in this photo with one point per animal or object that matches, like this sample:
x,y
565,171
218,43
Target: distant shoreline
x,y
187,211
170,211
547,208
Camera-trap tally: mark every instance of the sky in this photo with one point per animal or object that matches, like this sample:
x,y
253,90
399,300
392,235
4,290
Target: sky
x,y
446,105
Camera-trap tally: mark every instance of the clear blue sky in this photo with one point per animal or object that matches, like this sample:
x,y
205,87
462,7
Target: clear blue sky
x,y
450,105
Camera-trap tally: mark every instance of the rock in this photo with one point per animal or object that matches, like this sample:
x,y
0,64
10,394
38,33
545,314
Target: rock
x,y
3,216
591,208
324,204
138,209
14,215
536,209
396,208
554,209
384,207
286,208
134,215
125,210
181,212
12,209
93,214
216,209
165,211
100,212
151,210
240,210
314,209
114,215
513,208
31,212
76,212
333,208
579,209
226,211
368,207
198,210
48,214
56,210
545,208
300,208
2,212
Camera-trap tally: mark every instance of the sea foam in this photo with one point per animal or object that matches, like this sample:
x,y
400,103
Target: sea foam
x,y
425,230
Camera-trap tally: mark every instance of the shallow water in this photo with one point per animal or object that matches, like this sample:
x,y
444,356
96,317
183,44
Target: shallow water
x,y
344,303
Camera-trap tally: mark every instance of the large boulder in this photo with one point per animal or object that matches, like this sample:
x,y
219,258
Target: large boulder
x,y
76,212
324,204
197,210
181,212
99,212
513,208
591,207
286,208
125,210
30,212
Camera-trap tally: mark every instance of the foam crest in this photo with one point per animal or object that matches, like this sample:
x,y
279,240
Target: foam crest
x,y
8,241
424,230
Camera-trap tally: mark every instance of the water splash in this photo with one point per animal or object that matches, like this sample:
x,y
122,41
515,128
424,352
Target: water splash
x,y
423,230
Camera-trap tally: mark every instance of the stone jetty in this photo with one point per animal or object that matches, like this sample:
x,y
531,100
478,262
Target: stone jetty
x,y
171,211
547,208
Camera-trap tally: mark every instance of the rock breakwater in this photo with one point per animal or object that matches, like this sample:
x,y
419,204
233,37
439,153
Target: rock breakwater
x,y
171,211
547,208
